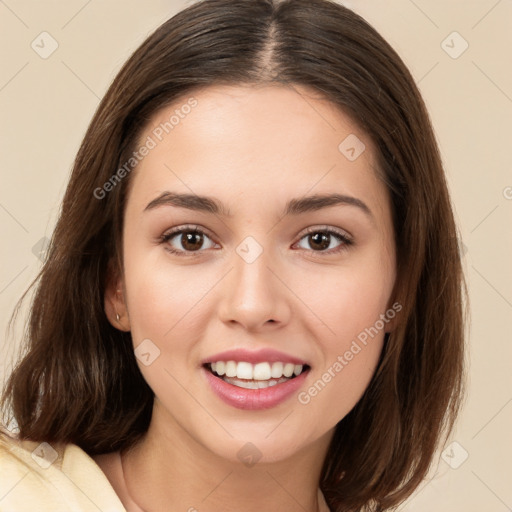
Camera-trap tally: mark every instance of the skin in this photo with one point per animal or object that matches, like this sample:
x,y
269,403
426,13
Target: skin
x,y
253,149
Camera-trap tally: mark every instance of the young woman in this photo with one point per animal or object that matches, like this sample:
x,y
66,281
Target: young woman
x,y
253,297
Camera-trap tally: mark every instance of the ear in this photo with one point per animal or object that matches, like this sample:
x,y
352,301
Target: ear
x,y
114,301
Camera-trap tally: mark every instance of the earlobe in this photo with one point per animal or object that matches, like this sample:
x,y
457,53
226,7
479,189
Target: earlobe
x,y
115,305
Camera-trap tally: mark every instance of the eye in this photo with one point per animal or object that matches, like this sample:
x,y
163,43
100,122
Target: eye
x,y
185,240
325,240
191,241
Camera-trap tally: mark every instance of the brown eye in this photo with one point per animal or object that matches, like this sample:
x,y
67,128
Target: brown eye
x,y
319,241
191,241
183,241
325,240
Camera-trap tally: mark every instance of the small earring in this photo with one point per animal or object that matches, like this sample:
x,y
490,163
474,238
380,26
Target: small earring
x,y
117,314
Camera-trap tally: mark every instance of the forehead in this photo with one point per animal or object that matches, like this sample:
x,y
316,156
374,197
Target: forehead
x,y
255,141
259,118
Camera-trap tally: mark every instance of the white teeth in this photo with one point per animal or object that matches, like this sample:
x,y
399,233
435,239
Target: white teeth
x,y
231,369
244,370
254,384
257,372
288,369
220,367
277,370
261,371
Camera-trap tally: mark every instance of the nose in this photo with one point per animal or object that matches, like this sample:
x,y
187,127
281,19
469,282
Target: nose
x,y
253,296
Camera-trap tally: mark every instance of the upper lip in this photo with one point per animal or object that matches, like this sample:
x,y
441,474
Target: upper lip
x,y
254,356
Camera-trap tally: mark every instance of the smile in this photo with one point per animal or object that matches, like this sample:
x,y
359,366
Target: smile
x,y
249,379
255,376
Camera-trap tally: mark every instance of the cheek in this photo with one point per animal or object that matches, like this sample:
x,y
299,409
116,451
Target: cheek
x,y
351,344
164,302
162,297
335,389
350,306
345,300
353,331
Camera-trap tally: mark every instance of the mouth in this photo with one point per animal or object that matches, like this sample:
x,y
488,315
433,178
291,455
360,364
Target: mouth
x,y
250,376
254,379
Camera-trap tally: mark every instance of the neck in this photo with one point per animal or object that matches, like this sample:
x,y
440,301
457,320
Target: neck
x,y
185,474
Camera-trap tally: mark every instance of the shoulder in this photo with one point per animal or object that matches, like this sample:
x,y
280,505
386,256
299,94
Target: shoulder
x,y
51,477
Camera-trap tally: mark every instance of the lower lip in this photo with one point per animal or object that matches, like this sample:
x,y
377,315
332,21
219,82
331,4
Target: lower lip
x,y
254,399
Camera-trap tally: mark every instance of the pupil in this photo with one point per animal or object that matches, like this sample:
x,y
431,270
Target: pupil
x,y
319,238
191,241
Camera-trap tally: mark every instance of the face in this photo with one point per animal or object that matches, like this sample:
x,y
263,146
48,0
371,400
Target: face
x,y
255,227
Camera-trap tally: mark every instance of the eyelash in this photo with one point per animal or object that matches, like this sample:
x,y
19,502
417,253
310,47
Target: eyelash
x,y
345,245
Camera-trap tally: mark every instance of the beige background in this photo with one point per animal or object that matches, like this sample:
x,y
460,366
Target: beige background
x,y
46,104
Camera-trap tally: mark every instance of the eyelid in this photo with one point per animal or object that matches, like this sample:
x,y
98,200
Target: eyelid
x,y
187,227
331,229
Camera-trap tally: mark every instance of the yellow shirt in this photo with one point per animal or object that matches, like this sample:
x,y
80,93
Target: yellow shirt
x,y
39,477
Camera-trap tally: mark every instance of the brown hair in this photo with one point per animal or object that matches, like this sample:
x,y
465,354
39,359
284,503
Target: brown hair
x,y
79,381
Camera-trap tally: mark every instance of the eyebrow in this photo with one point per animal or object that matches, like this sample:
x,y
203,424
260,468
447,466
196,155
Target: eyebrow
x,y
293,207
189,201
